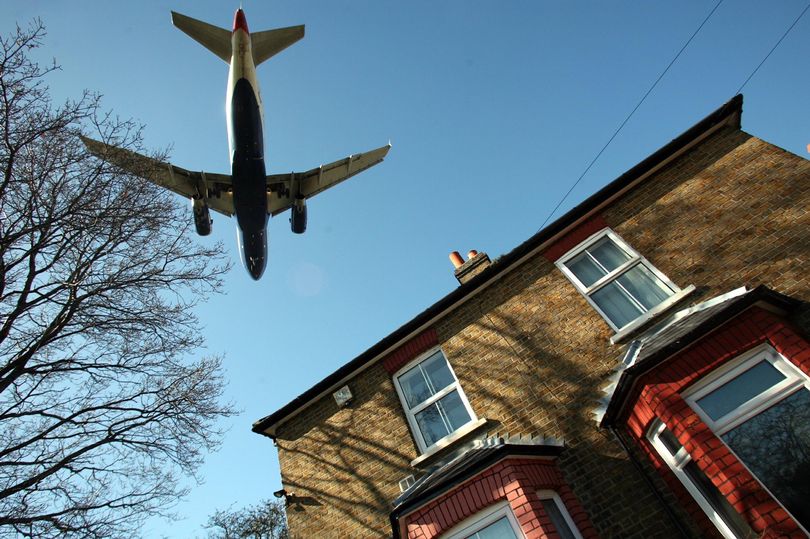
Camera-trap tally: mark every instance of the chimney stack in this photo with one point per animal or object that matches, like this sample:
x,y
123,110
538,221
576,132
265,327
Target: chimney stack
x,y
465,270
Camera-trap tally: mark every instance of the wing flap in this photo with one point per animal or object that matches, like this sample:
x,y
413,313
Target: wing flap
x,y
176,179
314,181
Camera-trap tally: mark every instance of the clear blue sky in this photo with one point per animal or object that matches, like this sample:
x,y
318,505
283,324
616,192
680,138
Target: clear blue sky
x,y
493,108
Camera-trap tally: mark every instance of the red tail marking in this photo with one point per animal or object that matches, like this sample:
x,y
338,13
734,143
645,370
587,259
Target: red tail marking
x,y
239,21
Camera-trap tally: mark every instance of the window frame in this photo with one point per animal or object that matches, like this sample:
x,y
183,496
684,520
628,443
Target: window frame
x,y
635,260
410,414
794,380
484,518
676,463
556,500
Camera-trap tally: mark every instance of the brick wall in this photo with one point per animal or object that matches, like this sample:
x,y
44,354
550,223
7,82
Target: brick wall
x,y
531,354
659,395
515,480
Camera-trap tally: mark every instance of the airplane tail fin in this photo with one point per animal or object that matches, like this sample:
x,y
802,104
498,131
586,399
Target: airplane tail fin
x,y
213,38
218,40
271,42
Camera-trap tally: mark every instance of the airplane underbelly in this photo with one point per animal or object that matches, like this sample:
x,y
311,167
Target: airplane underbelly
x,y
247,167
246,121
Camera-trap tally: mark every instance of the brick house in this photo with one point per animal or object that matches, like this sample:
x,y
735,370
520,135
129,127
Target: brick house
x,y
638,368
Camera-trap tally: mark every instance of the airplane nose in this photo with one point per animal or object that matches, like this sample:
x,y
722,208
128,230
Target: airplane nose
x,y
255,268
253,248
239,21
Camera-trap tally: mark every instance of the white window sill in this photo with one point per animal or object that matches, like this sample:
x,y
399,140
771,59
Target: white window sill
x,y
652,313
447,440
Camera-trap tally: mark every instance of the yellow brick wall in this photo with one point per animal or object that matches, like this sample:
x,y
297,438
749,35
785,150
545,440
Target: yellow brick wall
x,y
531,353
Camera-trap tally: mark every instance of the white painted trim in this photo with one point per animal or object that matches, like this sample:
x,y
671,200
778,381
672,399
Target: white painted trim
x,y
665,305
447,440
676,463
634,260
410,414
484,518
271,430
683,313
794,380
555,498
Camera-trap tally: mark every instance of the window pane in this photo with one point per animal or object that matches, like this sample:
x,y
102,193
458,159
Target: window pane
x,y
717,501
414,386
556,516
431,424
437,372
644,286
442,417
500,529
740,390
608,254
775,445
616,304
586,270
454,411
669,440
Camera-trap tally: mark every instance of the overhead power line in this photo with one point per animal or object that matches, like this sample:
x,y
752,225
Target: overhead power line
x,y
621,126
774,48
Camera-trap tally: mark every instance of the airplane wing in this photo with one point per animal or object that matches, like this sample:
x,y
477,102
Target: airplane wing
x,y
184,182
312,182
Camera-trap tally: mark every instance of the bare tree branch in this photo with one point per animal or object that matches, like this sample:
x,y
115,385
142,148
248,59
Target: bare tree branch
x,y
101,410
266,520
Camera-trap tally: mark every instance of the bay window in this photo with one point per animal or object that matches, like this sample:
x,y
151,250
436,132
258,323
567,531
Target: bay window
x,y
759,405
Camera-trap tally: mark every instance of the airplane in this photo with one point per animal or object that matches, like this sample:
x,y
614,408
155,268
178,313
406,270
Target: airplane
x,y
248,192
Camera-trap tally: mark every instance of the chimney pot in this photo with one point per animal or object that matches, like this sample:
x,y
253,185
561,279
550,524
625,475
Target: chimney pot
x,y
466,270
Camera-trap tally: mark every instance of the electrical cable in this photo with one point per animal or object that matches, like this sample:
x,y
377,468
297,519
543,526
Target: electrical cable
x,y
664,72
774,48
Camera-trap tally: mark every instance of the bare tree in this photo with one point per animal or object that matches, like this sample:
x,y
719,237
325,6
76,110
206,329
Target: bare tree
x,y
266,520
102,414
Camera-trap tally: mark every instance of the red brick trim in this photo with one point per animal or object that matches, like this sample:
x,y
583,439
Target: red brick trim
x,y
658,394
408,351
575,237
515,480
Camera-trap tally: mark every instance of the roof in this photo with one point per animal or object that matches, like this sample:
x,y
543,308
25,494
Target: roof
x,y
481,455
728,114
681,330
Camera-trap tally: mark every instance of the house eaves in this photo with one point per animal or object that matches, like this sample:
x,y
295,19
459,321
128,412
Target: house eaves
x,y
729,114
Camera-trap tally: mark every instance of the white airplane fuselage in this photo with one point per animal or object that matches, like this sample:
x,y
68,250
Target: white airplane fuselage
x,y
245,117
247,192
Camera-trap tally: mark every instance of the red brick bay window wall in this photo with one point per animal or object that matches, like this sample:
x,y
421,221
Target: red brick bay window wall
x,y
661,396
524,486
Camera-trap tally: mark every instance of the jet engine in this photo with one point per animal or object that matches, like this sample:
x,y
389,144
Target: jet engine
x,y
298,215
202,217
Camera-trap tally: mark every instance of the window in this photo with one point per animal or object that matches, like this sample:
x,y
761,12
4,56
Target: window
x,y
728,521
759,405
619,283
496,522
558,514
434,402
